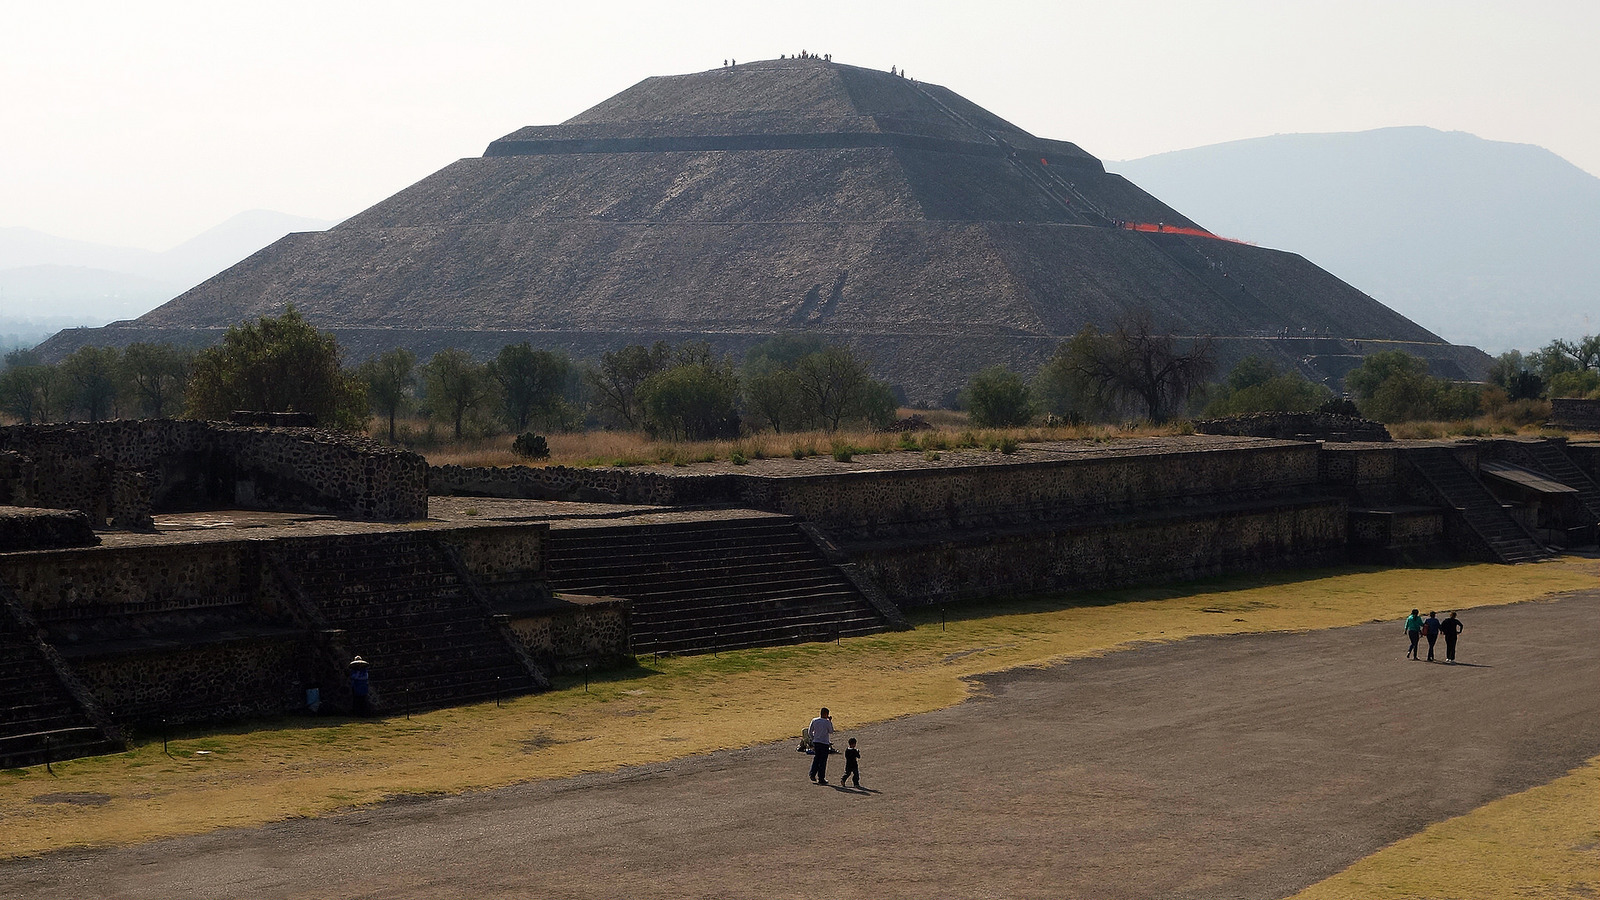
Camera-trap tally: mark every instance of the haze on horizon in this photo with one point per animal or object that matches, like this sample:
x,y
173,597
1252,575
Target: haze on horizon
x,y
144,125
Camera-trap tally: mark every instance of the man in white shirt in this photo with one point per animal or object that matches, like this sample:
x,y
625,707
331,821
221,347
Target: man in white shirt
x,y
822,743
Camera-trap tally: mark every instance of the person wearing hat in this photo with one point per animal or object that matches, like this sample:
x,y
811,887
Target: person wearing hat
x,y
358,686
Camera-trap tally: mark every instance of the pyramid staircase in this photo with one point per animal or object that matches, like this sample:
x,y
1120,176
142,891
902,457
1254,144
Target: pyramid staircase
x,y
403,603
1481,511
42,719
1548,458
713,585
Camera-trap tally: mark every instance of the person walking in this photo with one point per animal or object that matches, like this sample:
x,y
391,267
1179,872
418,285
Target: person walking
x,y
1452,628
852,763
822,745
1413,631
1430,630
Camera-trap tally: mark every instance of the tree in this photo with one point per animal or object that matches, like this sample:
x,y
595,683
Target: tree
x,y
692,401
1255,385
774,396
1364,380
1514,373
93,379
533,385
1394,386
157,374
836,387
279,364
999,398
1134,362
30,390
389,378
772,390
616,382
455,384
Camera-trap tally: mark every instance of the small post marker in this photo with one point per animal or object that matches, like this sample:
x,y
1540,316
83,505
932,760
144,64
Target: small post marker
x,y
47,756
497,692
586,678
941,617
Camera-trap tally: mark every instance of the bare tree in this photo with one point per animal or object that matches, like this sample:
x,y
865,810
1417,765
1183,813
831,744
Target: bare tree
x,y
1135,361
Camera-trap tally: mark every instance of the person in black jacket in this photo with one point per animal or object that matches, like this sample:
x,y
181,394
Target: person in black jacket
x,y
1430,630
1451,627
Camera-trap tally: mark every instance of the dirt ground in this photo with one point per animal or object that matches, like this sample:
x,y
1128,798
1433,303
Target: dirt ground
x,y
1236,767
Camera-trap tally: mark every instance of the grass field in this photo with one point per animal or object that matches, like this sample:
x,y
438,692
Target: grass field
x,y
1541,843
679,706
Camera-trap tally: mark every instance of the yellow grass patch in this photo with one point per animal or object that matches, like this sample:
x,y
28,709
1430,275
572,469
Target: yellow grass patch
x,y
679,706
1541,843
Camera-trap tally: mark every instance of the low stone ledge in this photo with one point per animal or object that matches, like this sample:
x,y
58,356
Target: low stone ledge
x,y
27,528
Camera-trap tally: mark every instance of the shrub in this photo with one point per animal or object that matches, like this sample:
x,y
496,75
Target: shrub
x,y
531,446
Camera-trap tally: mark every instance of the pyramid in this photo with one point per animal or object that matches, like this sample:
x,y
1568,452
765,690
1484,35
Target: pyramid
x,y
788,196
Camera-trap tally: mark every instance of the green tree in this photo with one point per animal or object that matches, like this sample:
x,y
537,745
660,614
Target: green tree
x,y
390,378
533,385
1514,373
93,378
456,385
1364,380
692,401
157,375
1255,385
615,383
772,391
281,364
999,398
30,390
774,396
1133,362
837,388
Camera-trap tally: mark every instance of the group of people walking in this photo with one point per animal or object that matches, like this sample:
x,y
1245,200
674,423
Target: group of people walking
x,y
1417,628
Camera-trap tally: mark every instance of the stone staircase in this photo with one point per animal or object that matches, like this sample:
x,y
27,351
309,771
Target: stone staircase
x,y
403,604
1481,511
40,718
713,585
1549,458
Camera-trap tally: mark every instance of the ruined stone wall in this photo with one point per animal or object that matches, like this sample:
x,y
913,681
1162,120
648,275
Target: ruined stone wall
x,y
507,561
584,485
863,505
248,677
1108,554
1575,414
123,471
23,528
576,631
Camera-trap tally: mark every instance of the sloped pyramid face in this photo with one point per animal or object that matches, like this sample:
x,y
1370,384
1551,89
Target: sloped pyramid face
x,y
787,196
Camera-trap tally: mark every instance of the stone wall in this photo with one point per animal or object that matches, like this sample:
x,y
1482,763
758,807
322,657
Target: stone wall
x,y
1575,414
572,632
1312,426
22,528
584,485
204,630
857,506
1107,554
210,681
121,472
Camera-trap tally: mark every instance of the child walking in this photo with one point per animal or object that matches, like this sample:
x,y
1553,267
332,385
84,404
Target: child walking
x,y
852,763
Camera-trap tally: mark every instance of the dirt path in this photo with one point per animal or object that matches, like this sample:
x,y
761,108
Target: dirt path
x,y
1233,767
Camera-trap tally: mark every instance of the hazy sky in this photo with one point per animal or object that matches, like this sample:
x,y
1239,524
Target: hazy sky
x,y
145,123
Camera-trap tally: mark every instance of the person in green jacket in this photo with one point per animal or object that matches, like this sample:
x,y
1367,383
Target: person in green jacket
x,y
1413,631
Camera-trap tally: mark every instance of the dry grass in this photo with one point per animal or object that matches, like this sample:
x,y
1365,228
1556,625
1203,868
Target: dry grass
x,y
633,448
1541,843
256,775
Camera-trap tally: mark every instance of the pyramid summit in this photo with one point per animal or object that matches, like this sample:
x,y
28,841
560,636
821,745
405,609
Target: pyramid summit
x,y
785,196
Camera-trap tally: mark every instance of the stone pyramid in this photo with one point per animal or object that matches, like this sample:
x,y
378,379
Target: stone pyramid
x,y
794,195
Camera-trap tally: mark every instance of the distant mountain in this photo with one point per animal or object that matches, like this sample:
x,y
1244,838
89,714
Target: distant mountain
x,y
49,280
1482,242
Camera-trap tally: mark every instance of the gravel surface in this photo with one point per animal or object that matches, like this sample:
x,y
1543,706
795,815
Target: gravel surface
x,y
1235,767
